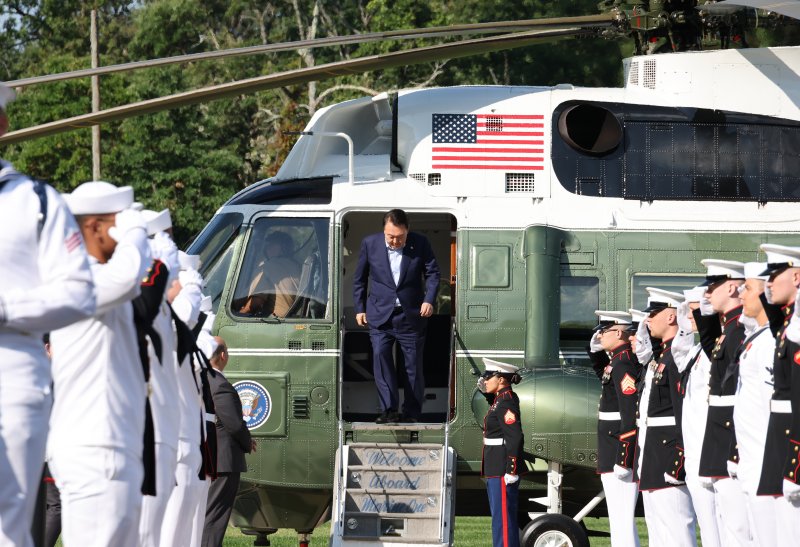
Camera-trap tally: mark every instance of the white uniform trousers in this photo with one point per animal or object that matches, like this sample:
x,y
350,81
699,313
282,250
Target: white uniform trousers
x,y
153,507
705,507
734,526
787,517
187,496
24,417
621,496
670,518
101,496
761,516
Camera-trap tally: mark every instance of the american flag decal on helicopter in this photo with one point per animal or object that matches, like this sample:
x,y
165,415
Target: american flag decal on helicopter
x,y
503,142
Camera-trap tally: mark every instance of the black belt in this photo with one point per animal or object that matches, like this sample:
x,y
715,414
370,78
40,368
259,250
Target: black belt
x,y
397,309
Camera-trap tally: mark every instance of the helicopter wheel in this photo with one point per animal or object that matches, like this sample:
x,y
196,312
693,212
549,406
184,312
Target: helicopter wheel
x,y
554,530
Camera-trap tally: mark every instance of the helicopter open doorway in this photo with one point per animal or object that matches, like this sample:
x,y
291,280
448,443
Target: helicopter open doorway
x,y
359,400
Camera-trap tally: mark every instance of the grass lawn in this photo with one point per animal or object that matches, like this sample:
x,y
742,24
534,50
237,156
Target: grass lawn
x,y
470,532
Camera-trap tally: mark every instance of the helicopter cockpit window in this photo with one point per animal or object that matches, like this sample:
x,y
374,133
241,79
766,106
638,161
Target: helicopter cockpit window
x,y
668,282
215,247
284,274
580,296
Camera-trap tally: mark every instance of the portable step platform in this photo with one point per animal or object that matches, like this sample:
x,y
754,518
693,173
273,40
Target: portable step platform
x,y
393,493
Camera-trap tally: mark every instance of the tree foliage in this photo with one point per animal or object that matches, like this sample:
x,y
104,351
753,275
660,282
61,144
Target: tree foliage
x,y
192,159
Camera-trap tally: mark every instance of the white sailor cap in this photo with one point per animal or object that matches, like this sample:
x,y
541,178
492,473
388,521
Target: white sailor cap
x,y
137,206
611,318
755,270
6,95
496,367
188,262
780,257
694,294
637,316
721,270
99,198
157,221
660,299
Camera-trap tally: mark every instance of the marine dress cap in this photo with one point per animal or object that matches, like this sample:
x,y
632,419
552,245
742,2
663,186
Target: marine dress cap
x,y
99,198
755,270
157,221
496,367
6,95
780,257
660,299
637,317
188,262
694,294
611,318
721,270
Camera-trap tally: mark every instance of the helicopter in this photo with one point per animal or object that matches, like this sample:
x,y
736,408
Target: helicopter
x,y
542,204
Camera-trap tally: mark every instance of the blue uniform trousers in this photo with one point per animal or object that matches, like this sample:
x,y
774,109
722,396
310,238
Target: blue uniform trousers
x,y
412,343
503,503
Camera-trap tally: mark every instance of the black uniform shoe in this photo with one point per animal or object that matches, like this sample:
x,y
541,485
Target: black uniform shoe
x,y
408,419
388,417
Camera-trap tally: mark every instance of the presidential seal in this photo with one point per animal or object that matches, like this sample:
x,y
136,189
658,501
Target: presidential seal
x,y
256,403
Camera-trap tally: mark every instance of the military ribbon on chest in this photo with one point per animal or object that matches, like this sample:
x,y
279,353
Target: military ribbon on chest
x,y
606,374
659,372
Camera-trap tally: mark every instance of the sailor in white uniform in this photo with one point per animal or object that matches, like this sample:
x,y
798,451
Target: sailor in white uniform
x,y
97,425
164,384
45,284
751,408
695,367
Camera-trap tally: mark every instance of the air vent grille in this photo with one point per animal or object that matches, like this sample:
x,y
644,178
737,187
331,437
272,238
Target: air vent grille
x,y
519,182
494,124
650,73
318,345
435,179
633,73
419,177
300,406
295,345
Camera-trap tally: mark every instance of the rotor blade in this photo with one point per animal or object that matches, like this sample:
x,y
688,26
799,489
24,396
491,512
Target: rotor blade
x,y
790,8
453,30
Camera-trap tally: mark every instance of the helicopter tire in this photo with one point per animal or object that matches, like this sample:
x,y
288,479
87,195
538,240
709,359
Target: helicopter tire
x,y
554,530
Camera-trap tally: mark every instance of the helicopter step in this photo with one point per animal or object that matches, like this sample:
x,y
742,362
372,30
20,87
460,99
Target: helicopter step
x,y
393,493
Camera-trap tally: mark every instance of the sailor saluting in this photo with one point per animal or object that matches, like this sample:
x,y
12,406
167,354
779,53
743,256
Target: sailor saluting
x,y
502,450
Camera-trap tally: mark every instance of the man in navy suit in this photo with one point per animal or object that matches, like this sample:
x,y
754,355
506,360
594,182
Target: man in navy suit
x,y
403,281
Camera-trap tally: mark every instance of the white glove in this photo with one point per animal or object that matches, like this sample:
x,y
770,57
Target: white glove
x,y
797,304
208,325
188,278
669,479
791,491
706,482
733,469
684,324
510,479
165,250
594,343
622,473
644,347
206,344
705,307
188,262
482,384
126,222
750,324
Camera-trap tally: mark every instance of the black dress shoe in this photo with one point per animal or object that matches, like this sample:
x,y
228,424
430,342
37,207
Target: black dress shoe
x,y
388,417
408,419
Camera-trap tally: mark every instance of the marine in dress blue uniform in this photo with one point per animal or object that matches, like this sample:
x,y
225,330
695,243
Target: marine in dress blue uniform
x,y
615,365
502,450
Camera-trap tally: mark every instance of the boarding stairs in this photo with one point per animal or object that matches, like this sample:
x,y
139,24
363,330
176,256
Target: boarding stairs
x,y
393,493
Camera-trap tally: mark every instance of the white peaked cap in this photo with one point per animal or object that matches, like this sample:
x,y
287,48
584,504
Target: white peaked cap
x,y
720,270
610,318
659,299
157,221
205,304
99,198
137,206
637,316
188,262
694,294
780,256
755,270
6,95
497,366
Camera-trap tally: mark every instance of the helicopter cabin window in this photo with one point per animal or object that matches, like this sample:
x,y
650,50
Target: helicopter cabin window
x,y
580,296
653,153
668,282
215,246
284,274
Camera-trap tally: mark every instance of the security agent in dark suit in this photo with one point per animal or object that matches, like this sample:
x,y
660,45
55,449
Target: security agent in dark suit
x,y
233,441
403,280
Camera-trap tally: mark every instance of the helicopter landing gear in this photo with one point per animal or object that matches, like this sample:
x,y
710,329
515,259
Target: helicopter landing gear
x,y
262,536
303,539
554,529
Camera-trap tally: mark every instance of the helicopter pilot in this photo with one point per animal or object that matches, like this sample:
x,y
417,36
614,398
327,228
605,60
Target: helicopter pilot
x,y
614,363
502,449
275,284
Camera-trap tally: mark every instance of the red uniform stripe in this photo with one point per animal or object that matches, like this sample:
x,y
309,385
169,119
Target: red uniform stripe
x,y
505,511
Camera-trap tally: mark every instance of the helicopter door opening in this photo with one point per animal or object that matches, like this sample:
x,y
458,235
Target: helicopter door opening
x,y
359,396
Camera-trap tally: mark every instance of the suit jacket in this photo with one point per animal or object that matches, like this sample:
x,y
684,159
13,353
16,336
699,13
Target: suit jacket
x,y
233,437
418,282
